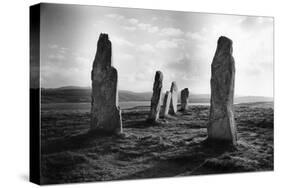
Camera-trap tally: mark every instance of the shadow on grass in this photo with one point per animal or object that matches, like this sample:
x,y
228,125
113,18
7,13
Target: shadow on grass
x,y
75,142
142,124
184,163
86,140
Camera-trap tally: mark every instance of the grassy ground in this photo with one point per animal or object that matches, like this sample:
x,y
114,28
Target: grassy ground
x,y
175,146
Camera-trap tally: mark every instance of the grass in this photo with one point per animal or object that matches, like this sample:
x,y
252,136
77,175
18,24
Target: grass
x,y
175,146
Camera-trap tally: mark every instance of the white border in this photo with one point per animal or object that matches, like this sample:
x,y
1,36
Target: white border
x,y
14,138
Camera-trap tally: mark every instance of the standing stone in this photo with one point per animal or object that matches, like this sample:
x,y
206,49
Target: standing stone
x,y
105,113
166,103
174,98
184,99
156,97
221,120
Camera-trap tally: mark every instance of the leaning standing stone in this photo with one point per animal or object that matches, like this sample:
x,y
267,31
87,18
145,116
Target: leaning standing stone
x,y
184,99
221,120
105,113
156,97
174,98
166,103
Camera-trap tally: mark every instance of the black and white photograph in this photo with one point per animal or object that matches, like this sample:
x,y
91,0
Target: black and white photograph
x,y
132,93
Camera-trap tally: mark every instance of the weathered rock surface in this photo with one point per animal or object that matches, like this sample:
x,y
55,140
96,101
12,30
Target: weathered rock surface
x,y
166,104
105,113
221,120
156,97
174,98
184,99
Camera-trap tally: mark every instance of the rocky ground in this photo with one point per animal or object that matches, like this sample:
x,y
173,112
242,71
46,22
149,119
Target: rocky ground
x,y
175,146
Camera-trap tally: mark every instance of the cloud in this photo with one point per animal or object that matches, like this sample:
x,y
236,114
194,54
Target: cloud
x,y
57,56
124,57
253,23
182,49
143,26
56,53
154,18
53,46
147,48
133,21
82,60
129,28
121,41
182,64
61,66
153,29
194,36
172,32
164,44
115,16
131,24
147,27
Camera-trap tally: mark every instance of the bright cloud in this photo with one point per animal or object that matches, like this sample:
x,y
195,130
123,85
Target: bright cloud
x,y
133,21
147,48
115,16
166,44
121,41
172,32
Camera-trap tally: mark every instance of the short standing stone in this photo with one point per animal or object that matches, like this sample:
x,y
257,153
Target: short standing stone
x,y
166,103
184,99
174,98
156,97
221,120
105,113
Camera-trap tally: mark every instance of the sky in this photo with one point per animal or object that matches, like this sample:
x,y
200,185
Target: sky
x,y
180,44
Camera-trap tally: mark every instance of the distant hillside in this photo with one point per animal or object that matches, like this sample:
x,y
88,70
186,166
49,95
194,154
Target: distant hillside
x,y
133,96
204,98
252,99
60,95
72,87
83,94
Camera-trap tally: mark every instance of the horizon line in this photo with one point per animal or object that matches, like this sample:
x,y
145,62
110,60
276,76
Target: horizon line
x,y
89,87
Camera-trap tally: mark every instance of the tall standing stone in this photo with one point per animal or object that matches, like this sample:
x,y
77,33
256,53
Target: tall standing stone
x,y
105,113
166,103
174,98
184,99
221,120
156,97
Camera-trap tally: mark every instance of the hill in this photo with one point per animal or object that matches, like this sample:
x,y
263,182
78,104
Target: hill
x,y
75,94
